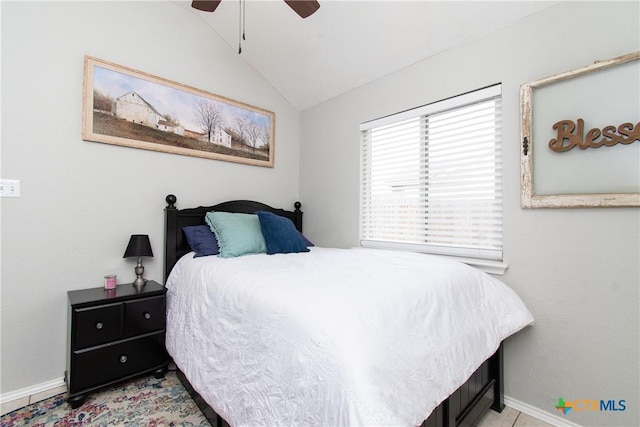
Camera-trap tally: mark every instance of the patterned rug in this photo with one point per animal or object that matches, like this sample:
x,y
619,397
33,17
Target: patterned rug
x,y
144,401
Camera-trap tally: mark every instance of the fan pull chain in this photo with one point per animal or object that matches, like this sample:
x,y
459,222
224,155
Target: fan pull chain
x,y
241,25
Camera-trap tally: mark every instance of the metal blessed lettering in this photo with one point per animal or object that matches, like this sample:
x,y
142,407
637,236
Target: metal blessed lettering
x,y
569,135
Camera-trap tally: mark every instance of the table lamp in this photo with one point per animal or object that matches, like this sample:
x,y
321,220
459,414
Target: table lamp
x,y
138,246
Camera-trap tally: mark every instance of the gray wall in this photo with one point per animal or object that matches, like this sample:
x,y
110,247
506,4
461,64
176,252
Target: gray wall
x,y
576,269
82,200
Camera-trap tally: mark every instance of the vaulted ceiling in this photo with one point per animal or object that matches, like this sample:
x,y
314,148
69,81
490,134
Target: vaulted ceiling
x,y
348,43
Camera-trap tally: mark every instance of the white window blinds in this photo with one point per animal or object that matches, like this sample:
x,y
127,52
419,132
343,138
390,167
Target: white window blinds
x,y
431,178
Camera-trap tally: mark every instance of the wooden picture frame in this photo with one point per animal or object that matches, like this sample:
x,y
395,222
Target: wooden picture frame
x,y
596,133
131,108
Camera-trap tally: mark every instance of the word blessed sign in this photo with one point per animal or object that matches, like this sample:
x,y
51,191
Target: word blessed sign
x,y
570,135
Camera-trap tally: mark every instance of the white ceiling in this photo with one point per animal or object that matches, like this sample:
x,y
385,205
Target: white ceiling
x,y
348,43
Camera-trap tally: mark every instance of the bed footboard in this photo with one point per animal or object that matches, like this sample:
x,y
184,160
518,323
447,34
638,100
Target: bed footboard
x,y
464,408
214,419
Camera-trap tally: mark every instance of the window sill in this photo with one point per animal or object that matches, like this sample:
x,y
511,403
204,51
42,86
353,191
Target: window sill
x,y
491,266
488,266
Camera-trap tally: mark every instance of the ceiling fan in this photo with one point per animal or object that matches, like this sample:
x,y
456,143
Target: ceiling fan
x,y
304,8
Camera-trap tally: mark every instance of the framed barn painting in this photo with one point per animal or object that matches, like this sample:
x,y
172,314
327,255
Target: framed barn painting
x,y
580,136
131,108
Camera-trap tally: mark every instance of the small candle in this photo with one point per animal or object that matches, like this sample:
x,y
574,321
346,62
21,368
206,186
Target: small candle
x,y
110,281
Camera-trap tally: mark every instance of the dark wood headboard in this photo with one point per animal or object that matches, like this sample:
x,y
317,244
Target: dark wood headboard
x,y
175,243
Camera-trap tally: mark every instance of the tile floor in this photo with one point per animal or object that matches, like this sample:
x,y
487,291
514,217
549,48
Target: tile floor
x,y
510,418
12,405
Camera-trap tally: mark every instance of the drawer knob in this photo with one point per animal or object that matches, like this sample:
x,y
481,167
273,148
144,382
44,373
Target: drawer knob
x,y
123,359
147,315
99,325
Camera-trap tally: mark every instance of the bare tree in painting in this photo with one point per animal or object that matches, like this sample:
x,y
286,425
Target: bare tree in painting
x,y
251,132
102,102
265,134
172,119
242,125
208,116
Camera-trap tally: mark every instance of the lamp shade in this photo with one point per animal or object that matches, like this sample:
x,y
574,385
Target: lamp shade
x,y
138,246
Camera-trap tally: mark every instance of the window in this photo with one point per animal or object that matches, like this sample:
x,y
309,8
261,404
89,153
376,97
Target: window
x,y
431,178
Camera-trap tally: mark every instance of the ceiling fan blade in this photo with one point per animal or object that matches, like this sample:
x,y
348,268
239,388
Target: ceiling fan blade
x,y
303,8
205,5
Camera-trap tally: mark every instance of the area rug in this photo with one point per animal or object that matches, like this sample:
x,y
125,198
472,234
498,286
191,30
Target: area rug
x,y
145,401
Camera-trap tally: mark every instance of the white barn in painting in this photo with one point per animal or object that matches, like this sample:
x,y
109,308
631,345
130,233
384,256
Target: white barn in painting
x,y
134,108
167,126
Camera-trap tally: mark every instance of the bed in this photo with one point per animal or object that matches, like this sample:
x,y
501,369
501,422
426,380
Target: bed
x,y
298,338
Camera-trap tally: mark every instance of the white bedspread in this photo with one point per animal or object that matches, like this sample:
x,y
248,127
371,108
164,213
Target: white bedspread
x,y
333,336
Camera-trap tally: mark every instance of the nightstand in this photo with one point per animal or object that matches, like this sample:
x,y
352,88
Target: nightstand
x,y
113,335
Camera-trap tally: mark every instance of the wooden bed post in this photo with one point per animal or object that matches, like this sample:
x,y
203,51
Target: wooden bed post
x,y
298,215
496,367
170,238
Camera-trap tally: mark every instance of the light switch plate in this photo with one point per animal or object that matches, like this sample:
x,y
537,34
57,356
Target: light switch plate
x,y
10,188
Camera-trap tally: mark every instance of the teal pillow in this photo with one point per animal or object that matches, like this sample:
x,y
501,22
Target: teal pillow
x,y
237,233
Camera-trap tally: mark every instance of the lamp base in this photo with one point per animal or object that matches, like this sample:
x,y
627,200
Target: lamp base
x,y
139,284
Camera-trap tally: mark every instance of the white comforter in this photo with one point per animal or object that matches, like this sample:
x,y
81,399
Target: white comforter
x,y
334,336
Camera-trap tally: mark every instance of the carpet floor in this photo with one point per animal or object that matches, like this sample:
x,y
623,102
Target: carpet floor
x,y
145,401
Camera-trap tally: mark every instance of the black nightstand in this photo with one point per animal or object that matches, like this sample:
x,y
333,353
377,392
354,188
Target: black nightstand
x,y
114,335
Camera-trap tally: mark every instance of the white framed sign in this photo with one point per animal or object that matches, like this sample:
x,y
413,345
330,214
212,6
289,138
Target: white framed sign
x,y
580,136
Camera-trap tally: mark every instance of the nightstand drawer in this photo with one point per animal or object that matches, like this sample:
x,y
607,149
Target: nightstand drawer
x,y
144,315
114,362
97,325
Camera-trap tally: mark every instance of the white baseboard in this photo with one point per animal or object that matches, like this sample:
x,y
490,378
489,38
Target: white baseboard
x,y
37,389
538,413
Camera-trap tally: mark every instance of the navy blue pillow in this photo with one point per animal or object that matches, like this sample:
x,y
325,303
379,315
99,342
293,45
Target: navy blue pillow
x,y
201,240
307,242
280,235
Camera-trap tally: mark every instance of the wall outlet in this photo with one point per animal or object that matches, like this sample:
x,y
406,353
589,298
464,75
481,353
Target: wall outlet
x,y
10,188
